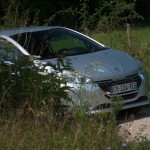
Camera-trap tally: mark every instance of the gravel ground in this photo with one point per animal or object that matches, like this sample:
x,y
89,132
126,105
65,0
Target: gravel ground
x,y
136,127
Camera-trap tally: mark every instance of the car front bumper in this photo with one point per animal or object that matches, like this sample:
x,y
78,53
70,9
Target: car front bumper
x,y
96,100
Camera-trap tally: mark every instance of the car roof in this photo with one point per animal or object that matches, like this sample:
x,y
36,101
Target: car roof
x,y
10,32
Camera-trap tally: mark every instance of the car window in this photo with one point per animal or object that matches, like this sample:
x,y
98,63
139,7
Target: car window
x,y
8,51
34,43
64,43
27,41
53,42
70,43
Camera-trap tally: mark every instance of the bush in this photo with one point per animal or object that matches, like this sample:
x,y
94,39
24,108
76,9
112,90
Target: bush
x,y
26,87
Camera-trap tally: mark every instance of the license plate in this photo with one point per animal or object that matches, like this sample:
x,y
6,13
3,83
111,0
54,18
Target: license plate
x,y
124,87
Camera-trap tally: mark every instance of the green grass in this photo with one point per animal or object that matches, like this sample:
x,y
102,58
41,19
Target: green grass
x,y
88,133
118,39
142,34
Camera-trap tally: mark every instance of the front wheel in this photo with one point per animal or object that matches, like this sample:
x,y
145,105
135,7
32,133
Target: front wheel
x,y
133,110
128,113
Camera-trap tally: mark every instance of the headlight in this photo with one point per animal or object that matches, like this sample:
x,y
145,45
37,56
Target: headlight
x,y
76,78
79,79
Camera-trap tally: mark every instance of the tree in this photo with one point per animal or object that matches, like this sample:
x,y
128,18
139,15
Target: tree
x,y
81,13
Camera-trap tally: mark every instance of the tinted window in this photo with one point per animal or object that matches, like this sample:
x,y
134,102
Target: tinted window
x,y
64,43
51,43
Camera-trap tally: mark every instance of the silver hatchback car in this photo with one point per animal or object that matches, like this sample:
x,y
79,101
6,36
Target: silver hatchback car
x,y
100,73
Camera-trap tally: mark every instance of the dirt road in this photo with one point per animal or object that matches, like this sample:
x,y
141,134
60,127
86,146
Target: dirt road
x,y
137,126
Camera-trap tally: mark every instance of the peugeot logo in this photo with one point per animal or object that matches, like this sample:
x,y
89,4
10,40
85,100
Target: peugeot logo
x,y
116,69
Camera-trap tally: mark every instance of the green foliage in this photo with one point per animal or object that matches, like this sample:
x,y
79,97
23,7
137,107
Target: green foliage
x,y
83,12
116,104
17,15
50,20
14,16
24,89
118,12
24,86
86,19
91,133
106,16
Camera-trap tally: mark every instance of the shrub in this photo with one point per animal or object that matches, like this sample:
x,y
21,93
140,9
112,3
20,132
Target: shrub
x,y
25,86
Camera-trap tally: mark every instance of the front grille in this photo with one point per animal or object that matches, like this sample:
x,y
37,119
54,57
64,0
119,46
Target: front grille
x,y
108,105
126,96
107,84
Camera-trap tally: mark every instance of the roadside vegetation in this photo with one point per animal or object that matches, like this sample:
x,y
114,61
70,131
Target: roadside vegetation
x,y
31,112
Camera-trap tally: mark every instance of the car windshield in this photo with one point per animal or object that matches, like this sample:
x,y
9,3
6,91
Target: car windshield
x,y
57,41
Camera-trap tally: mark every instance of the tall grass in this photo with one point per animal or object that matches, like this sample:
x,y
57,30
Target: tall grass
x,y
30,108
140,36
90,133
38,125
27,120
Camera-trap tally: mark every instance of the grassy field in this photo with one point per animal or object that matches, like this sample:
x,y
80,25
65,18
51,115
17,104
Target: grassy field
x,y
87,133
43,131
118,39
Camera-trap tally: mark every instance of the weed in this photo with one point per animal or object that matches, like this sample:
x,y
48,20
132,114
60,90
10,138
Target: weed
x,y
23,87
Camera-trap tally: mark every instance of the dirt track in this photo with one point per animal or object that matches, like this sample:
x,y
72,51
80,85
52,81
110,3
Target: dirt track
x,y
137,126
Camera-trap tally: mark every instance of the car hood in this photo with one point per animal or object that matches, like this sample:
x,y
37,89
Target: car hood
x,y
105,64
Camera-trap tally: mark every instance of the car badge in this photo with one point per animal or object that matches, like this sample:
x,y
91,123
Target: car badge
x,y
116,69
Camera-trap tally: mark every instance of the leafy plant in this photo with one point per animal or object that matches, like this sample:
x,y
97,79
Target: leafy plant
x,y
119,13
17,15
24,86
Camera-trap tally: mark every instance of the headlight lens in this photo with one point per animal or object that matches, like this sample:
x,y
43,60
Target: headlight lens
x,y
79,79
75,78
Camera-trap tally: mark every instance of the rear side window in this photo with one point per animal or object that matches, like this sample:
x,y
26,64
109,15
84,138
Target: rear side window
x,y
34,43
8,51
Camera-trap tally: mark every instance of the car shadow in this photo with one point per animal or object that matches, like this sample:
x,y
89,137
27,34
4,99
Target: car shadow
x,y
143,113
123,117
